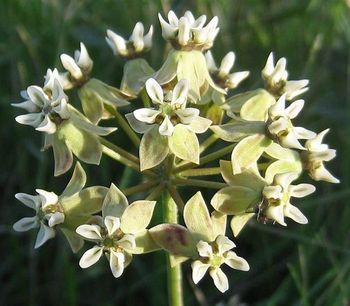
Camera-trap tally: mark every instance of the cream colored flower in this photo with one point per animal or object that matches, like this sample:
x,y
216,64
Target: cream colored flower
x,y
212,256
48,213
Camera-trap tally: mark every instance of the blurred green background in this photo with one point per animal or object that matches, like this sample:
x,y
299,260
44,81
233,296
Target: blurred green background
x,y
298,265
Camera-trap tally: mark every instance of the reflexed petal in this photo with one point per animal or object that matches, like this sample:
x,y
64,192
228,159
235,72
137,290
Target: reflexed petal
x,y
295,88
25,224
295,214
303,133
227,64
70,65
199,22
301,190
154,91
187,115
33,119
210,61
168,30
116,262
137,37
198,270
47,198
173,20
56,218
45,233
31,201
236,78
236,262
117,43
166,128
83,60
294,109
47,126
322,174
180,92
146,115
190,17
276,213
127,242
315,144
112,224
269,66
183,35
279,72
278,109
37,96
204,249
220,279
89,231
224,244
148,38
90,257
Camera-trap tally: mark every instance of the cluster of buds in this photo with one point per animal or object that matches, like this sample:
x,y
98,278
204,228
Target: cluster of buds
x,y
187,96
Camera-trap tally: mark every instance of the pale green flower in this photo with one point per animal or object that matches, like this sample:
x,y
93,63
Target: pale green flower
x,y
212,256
137,43
276,79
78,68
316,153
119,233
48,213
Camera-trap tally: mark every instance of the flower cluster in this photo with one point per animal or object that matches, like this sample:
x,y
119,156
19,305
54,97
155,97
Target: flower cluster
x,y
180,110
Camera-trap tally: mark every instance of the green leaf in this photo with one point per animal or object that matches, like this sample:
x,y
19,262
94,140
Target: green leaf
x,y
74,240
93,108
86,202
234,132
62,154
235,200
256,108
84,145
114,203
144,243
184,144
153,149
282,166
137,216
248,151
239,221
77,181
197,218
136,72
174,238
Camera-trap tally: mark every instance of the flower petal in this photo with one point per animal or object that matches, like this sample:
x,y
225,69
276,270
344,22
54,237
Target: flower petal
x,y
224,244
83,59
204,249
45,233
146,115
294,109
227,64
47,126
220,279
198,270
127,242
90,257
187,115
32,119
112,224
117,43
236,262
276,213
154,91
26,224
89,231
138,126
37,96
56,218
301,190
303,133
47,198
166,128
31,201
71,66
137,37
295,214
116,263
180,92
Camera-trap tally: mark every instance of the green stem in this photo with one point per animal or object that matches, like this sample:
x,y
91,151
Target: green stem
x,y
198,183
201,172
176,197
208,142
155,192
174,274
139,188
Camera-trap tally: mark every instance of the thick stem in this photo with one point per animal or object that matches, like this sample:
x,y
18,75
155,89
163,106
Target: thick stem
x,y
174,274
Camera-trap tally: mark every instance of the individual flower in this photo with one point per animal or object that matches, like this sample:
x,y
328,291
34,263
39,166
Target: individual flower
x,y
63,212
276,79
203,241
276,205
212,256
316,153
47,106
187,32
78,68
170,125
119,233
137,44
281,126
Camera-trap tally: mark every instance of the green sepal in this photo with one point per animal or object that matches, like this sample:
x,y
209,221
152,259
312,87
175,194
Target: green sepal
x,y
114,203
136,72
184,144
174,238
153,149
144,243
238,222
278,152
76,183
63,156
75,241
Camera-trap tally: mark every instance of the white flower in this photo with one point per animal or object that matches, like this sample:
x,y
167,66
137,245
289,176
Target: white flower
x,y
222,75
281,127
316,153
111,241
47,106
170,110
212,256
137,43
80,66
48,211
276,78
278,196
187,31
